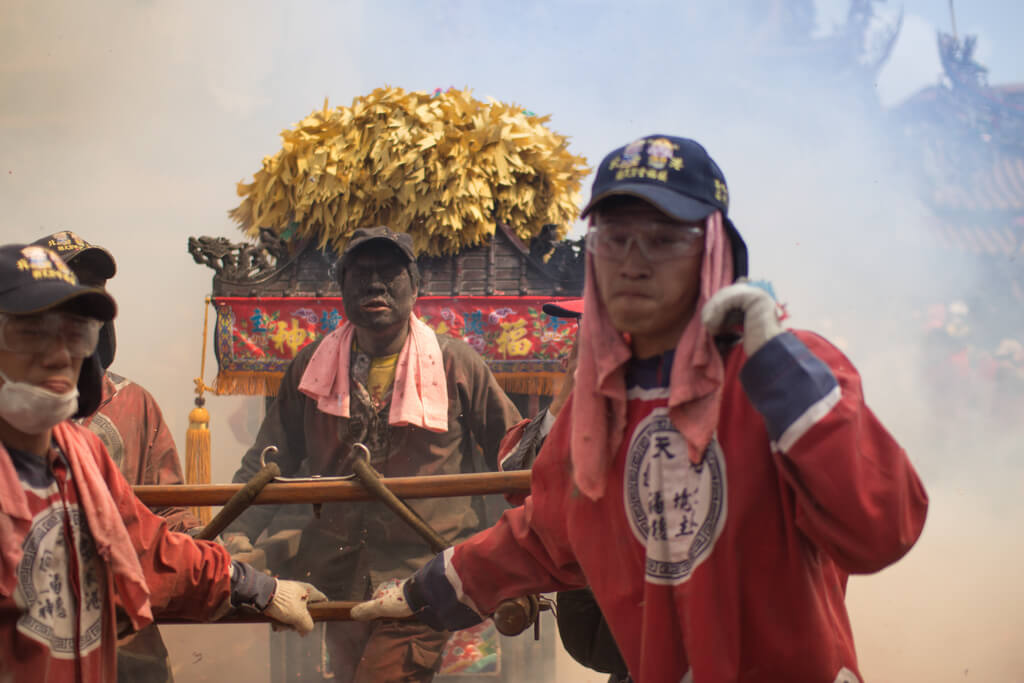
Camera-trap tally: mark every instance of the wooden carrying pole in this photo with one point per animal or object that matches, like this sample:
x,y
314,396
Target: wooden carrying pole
x,y
435,486
239,502
332,610
511,617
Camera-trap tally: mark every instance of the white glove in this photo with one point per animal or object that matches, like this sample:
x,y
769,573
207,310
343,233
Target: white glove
x,y
288,606
760,315
388,602
236,542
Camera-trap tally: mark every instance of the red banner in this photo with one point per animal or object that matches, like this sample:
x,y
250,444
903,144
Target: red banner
x,y
256,338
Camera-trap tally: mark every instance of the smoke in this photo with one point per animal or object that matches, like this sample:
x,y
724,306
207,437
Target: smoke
x,y
130,123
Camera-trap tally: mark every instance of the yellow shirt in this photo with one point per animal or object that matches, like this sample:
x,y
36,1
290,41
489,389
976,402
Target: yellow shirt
x,y
381,377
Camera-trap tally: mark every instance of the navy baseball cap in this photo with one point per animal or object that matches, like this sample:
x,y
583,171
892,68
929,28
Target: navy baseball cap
x,y
676,175
71,247
35,279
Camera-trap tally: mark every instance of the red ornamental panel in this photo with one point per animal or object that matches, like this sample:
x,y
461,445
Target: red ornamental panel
x,y
256,338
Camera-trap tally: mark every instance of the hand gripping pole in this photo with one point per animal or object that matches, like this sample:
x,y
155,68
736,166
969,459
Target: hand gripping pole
x,y
513,616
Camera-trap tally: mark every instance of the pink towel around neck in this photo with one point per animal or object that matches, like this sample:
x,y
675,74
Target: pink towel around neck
x,y
420,394
599,399
109,533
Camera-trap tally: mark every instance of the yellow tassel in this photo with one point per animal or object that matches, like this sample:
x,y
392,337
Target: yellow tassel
x,y
197,453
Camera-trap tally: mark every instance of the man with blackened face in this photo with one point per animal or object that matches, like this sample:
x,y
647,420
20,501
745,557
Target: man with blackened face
x,y
418,402
379,284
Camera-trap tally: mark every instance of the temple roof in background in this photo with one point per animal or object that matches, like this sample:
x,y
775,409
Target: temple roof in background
x,y
967,138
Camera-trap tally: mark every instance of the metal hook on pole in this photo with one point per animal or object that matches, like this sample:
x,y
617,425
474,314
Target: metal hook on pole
x,y
242,499
271,450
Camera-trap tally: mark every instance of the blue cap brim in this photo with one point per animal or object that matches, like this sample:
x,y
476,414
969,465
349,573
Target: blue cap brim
x,y
43,296
668,201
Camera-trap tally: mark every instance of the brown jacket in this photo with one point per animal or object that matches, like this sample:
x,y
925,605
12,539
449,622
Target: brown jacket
x,y
352,546
131,426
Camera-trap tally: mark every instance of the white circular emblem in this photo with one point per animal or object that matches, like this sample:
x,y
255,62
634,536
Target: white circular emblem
x,y
676,509
44,591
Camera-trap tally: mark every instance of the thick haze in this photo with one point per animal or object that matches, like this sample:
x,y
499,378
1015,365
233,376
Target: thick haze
x,y
130,123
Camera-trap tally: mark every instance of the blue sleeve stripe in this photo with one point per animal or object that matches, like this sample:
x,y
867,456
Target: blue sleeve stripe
x,y
438,599
811,417
250,587
791,388
456,581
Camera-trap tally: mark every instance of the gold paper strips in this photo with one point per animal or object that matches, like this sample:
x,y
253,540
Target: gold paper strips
x,y
444,168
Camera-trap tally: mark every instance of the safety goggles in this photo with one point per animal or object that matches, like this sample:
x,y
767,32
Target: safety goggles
x,y
37,332
657,243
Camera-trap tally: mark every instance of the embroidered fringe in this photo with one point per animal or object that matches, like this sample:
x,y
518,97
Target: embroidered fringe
x,y
541,383
230,383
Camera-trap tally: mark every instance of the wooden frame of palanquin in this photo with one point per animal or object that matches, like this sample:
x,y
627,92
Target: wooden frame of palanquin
x,y
544,269
505,269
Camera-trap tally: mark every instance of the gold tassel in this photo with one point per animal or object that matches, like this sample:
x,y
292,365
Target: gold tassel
x,y
197,438
197,453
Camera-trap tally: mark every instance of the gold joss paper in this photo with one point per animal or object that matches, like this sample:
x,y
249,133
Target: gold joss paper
x,y
443,167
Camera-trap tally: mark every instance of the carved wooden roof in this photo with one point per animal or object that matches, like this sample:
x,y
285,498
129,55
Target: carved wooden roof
x,y
505,267
968,140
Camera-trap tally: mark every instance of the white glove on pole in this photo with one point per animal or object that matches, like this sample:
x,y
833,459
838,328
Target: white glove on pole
x,y
288,606
388,602
758,308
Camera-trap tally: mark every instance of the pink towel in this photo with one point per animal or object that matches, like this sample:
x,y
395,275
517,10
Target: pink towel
x,y
599,399
420,394
113,543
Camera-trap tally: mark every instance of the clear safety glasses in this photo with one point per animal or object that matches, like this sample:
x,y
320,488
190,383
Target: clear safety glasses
x,y
656,243
36,333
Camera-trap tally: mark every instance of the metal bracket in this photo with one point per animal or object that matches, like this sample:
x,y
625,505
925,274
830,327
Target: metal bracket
x,y
273,450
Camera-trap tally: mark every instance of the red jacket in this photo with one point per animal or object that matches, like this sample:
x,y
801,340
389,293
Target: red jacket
x,y
731,570
122,555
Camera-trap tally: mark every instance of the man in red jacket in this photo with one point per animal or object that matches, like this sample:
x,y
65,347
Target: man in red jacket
x,y
131,426
715,494
77,548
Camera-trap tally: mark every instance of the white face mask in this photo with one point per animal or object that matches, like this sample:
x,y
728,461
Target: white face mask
x,y
33,410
